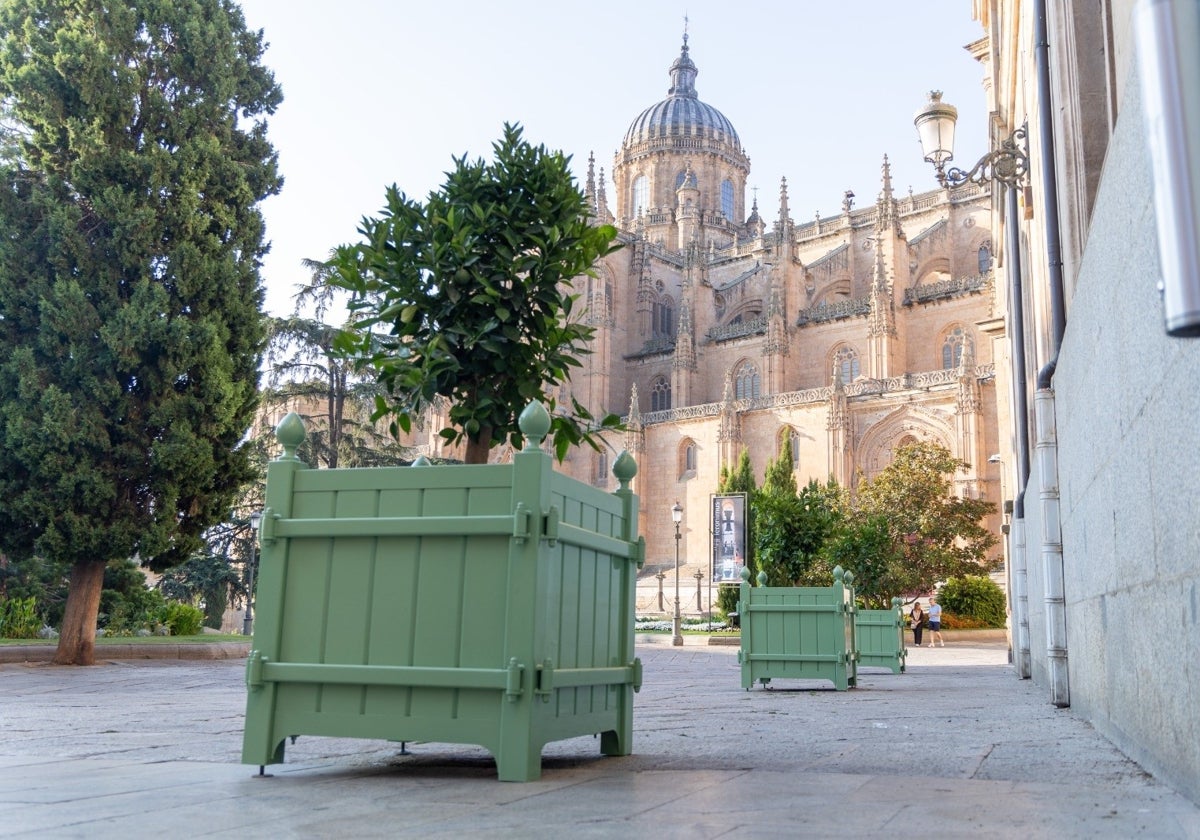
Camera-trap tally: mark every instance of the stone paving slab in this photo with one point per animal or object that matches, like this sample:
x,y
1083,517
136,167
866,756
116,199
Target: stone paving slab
x,y
957,744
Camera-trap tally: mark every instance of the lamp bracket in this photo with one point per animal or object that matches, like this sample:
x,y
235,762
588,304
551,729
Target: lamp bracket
x,y
1007,165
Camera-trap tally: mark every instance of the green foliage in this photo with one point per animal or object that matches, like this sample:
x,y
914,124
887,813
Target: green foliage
x,y
126,603
740,479
937,534
901,534
780,479
203,577
130,323
181,619
306,374
19,618
974,597
791,532
727,599
865,546
37,578
467,297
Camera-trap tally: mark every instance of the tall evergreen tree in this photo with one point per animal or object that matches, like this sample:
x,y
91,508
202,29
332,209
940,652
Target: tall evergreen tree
x,y
130,324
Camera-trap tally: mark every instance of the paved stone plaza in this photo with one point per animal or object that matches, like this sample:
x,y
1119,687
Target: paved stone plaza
x,y
957,746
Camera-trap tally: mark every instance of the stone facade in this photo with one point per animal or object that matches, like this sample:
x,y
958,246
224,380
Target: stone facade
x,y
717,330
1100,452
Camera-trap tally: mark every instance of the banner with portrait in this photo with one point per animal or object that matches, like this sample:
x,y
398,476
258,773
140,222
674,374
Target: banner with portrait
x,y
729,537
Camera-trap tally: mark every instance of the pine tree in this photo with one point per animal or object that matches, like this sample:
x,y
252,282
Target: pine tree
x,y
305,374
130,304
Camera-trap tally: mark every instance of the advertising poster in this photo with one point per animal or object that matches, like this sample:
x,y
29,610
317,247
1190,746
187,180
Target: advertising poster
x,y
729,537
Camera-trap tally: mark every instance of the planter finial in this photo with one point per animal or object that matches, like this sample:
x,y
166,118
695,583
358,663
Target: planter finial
x,y
290,434
534,424
624,468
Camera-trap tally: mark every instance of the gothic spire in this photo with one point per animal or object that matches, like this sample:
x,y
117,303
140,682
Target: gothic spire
x,y
685,342
887,215
602,201
590,189
634,428
777,343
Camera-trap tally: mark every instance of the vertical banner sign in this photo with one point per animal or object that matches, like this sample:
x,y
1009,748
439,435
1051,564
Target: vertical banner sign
x,y
728,537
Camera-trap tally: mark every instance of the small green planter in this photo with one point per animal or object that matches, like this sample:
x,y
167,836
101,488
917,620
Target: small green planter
x,y
798,632
880,638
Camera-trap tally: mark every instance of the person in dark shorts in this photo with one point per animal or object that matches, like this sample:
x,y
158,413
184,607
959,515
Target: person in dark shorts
x,y
935,622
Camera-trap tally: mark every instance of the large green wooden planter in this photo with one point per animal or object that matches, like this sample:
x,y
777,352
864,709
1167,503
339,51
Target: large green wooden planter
x,y
879,635
480,604
798,632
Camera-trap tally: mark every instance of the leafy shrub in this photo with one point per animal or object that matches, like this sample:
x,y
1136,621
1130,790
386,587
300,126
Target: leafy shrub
x,y
182,619
19,618
727,600
950,621
974,597
126,603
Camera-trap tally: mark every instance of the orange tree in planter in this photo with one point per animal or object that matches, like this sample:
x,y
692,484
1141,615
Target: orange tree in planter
x,y
468,297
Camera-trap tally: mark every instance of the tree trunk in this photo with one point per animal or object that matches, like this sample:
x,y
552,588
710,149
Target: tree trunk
x,y
77,641
478,447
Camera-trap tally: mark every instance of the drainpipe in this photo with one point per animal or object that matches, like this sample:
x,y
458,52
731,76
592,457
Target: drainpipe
x,y
1044,419
1016,319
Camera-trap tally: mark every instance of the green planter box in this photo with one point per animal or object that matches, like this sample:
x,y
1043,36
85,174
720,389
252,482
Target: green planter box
x,y
481,604
798,632
879,635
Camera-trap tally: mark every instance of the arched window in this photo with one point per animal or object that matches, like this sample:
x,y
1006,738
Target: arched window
x,y
660,394
663,318
641,195
727,198
795,441
845,364
746,383
985,258
952,348
687,459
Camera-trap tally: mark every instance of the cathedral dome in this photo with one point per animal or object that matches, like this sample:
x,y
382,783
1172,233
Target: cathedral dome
x,y
682,114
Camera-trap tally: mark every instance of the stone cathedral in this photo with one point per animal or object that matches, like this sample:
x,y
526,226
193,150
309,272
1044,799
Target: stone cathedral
x,y
719,329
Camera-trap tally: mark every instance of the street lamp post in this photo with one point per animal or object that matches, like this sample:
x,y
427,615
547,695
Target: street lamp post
x,y
248,621
677,517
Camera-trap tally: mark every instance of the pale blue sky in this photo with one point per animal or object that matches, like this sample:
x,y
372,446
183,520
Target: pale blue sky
x,y
380,92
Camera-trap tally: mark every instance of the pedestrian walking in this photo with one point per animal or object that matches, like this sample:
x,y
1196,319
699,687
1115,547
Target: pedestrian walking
x,y
916,620
935,622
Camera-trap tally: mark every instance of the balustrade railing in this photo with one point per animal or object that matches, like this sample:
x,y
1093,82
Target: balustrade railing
x,y
835,311
923,380
728,332
925,292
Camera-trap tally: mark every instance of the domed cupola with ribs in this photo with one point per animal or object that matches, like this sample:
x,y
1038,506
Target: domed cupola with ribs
x,y
679,135
681,114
